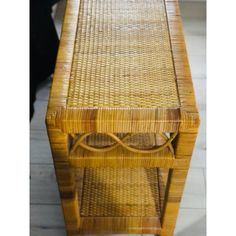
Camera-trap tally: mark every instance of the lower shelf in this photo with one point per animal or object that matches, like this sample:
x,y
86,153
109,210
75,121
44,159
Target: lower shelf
x,y
122,200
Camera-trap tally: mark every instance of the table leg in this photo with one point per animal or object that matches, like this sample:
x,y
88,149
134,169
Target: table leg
x,y
66,180
183,146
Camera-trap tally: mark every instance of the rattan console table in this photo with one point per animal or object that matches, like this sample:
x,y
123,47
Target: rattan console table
x,y
122,118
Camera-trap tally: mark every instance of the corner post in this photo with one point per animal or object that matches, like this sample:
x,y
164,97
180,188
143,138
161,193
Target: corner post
x,y
65,174
183,145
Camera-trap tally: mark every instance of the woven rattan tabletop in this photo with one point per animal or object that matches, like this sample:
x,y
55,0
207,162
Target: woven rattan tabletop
x,y
122,56
119,68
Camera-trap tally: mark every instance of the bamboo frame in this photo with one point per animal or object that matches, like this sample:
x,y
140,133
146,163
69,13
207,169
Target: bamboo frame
x,y
62,121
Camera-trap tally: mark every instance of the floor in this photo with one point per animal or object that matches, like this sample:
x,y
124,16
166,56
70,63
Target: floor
x,y
46,213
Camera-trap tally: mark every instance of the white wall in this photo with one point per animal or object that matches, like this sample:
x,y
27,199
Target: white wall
x,y
192,0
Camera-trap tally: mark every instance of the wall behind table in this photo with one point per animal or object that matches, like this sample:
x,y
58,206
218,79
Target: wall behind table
x,y
192,0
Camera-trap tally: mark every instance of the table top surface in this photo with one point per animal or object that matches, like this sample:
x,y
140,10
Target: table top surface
x,y
122,56
122,62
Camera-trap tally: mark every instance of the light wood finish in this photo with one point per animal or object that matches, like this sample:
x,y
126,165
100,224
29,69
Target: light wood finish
x,y
122,70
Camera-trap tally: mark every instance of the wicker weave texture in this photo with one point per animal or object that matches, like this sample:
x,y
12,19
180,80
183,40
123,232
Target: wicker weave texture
x,y
117,68
122,56
120,192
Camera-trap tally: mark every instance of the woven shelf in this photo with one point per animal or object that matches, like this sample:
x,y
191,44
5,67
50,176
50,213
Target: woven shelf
x,y
122,200
128,55
120,75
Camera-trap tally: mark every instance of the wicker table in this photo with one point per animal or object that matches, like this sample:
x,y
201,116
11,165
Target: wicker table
x,y
122,118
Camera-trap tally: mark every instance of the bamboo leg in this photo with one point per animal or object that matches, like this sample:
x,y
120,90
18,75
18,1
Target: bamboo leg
x,y
65,179
183,150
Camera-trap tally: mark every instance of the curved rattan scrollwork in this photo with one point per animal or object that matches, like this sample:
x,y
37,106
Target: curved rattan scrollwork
x,y
78,142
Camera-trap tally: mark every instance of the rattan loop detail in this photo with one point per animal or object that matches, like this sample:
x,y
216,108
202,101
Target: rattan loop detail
x,y
79,142
166,138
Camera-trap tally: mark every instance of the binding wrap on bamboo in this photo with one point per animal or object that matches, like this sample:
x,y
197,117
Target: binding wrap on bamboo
x,y
78,142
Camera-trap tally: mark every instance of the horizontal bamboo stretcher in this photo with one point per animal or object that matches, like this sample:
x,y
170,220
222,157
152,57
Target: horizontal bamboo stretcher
x,y
122,118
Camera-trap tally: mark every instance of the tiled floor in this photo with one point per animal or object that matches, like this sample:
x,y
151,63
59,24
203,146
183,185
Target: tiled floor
x,y
46,213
